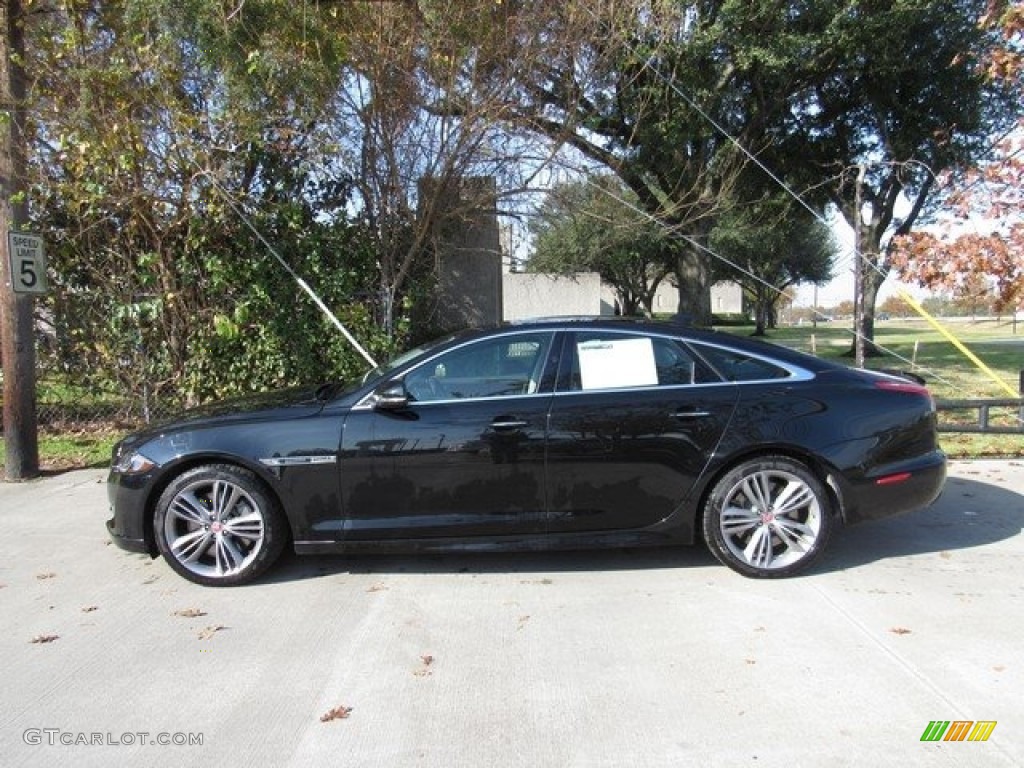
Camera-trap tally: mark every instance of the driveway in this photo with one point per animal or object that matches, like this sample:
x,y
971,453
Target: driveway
x,y
645,658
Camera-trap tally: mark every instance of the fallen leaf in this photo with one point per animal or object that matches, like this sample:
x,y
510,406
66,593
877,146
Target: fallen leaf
x,y
44,638
46,575
210,631
190,613
900,631
377,588
90,608
338,713
427,660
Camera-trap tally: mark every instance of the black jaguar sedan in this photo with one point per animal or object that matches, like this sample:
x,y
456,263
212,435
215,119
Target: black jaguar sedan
x,y
553,435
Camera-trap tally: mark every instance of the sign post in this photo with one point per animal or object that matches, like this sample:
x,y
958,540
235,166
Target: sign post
x,y
17,338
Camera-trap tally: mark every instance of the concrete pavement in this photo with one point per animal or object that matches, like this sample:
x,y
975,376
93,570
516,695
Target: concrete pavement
x,y
645,658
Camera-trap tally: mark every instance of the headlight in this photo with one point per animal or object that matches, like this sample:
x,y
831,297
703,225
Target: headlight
x,y
133,463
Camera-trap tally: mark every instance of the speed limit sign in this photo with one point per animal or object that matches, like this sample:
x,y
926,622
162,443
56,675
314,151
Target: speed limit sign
x,y
28,263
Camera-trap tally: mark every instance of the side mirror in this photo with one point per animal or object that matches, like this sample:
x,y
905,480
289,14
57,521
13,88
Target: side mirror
x,y
391,396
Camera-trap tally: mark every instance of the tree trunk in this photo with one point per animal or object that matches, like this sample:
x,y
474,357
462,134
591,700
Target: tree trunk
x,y
760,317
871,278
694,279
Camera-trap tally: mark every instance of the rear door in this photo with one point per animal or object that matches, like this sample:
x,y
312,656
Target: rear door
x,y
634,421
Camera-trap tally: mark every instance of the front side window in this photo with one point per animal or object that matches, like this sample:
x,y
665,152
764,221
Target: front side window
x,y
499,367
602,360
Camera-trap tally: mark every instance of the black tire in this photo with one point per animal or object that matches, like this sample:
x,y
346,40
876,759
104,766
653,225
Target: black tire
x,y
217,525
768,517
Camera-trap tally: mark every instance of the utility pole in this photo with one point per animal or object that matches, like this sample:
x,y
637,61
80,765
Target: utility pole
x,y
858,272
16,325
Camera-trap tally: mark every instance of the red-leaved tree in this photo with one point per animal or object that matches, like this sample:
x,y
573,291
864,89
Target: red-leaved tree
x,y
983,240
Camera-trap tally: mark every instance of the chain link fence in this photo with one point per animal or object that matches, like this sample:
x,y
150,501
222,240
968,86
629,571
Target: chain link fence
x,y
67,407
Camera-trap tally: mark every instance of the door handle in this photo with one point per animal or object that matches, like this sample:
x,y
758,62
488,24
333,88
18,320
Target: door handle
x,y
510,424
690,413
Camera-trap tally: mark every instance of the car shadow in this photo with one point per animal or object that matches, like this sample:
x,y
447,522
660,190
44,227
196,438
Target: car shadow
x,y
297,567
970,513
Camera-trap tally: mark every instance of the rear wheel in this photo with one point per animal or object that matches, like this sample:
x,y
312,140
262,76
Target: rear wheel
x,y
217,525
768,517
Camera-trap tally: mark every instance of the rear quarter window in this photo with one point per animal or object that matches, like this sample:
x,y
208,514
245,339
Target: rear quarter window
x,y
737,366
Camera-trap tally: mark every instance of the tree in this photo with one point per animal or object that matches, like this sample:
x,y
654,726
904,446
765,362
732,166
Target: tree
x,y
154,125
417,143
772,245
593,225
895,306
630,86
982,235
857,104
889,97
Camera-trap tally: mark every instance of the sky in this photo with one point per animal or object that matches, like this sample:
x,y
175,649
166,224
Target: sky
x,y
840,288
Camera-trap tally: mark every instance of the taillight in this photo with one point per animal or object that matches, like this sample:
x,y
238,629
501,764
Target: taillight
x,y
897,385
906,387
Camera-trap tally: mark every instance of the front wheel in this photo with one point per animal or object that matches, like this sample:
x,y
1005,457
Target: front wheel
x,y
217,525
768,517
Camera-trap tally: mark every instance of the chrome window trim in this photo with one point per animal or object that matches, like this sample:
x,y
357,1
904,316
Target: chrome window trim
x,y
366,402
496,398
796,373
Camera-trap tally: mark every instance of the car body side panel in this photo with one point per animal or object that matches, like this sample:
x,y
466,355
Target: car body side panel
x,y
455,468
296,458
855,433
624,460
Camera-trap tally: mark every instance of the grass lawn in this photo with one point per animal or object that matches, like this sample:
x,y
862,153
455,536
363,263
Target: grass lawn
x,y
77,450
914,345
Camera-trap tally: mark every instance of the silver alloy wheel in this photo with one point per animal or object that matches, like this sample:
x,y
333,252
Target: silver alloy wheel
x,y
771,519
214,528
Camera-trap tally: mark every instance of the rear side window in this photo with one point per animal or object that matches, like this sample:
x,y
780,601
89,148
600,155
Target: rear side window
x,y
736,366
602,360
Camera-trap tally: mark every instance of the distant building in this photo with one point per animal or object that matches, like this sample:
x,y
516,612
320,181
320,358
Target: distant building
x,y
535,294
478,283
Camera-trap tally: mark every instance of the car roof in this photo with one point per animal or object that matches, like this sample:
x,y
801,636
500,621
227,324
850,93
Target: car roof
x,y
675,326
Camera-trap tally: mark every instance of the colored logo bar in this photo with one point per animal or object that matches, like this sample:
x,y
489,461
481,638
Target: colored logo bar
x,y
958,730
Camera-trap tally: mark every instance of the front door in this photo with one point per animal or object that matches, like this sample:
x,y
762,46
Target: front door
x,y
465,457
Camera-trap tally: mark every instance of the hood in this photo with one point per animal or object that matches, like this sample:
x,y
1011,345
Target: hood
x,y
279,405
